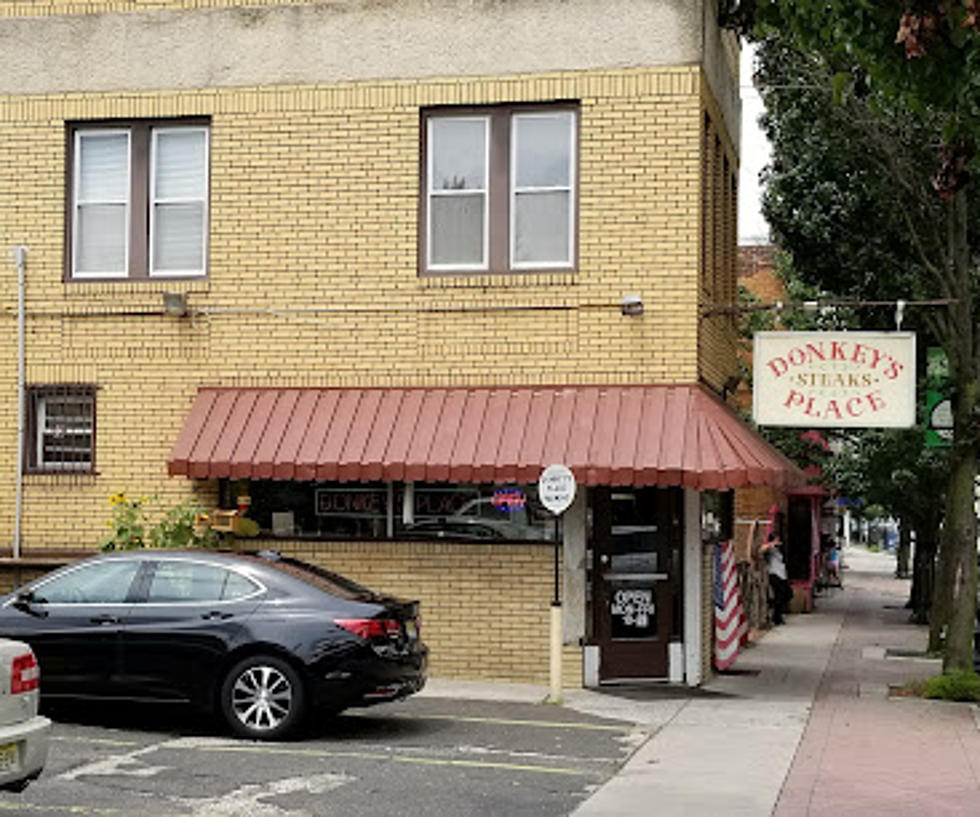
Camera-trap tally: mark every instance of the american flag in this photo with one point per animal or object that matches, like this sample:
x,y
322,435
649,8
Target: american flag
x,y
731,630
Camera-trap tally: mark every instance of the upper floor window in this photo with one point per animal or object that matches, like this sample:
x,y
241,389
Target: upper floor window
x,y
500,189
60,429
139,200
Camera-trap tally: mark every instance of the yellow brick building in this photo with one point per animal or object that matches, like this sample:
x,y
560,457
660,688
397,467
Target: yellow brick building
x,y
281,205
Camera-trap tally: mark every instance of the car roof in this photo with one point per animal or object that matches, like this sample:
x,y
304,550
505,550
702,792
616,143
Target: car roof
x,y
268,562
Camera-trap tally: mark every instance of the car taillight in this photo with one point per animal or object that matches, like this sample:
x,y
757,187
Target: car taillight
x,y
25,674
368,628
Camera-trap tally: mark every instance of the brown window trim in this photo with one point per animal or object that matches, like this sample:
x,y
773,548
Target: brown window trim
x,y
30,465
139,223
498,187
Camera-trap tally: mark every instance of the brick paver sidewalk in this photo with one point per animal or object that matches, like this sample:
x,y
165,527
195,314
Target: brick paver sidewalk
x,y
863,752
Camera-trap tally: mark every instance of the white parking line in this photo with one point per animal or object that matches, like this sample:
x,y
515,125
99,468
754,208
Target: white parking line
x,y
20,807
218,745
247,801
124,765
587,727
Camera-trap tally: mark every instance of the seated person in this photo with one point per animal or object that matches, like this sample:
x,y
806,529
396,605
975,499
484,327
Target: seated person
x,y
832,562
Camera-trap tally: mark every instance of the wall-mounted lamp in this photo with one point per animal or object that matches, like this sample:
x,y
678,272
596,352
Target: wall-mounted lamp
x,y
730,385
175,304
631,305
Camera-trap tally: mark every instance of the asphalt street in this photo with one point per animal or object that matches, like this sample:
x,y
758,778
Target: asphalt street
x,y
418,757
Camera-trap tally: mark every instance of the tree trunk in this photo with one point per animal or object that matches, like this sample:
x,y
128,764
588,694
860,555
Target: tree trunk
x,y
960,541
941,600
904,549
959,545
923,575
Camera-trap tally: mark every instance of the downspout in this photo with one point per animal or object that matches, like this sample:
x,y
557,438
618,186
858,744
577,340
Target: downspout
x,y
20,254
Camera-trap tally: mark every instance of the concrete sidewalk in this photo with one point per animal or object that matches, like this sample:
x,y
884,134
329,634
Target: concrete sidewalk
x,y
865,753
724,749
804,727
728,749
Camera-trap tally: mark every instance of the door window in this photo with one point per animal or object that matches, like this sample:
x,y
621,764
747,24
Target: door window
x,y
633,565
100,583
176,581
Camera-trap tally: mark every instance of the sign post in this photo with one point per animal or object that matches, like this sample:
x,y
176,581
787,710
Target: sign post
x,y
556,490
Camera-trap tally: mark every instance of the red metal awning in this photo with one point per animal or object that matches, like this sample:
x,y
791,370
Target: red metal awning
x,y
607,435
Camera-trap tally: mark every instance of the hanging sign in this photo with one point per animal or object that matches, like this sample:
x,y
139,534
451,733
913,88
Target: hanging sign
x,y
834,379
556,488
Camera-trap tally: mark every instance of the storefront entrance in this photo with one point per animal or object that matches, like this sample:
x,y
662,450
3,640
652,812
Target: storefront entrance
x,y
637,541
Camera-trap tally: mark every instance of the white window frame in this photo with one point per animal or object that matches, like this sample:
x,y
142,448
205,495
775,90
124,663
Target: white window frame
x,y
431,193
570,188
42,432
153,201
77,203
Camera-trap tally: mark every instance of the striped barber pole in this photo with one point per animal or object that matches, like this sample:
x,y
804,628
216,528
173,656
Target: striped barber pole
x,y
731,629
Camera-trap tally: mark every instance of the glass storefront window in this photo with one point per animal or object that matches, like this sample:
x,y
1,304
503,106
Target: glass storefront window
x,y
468,512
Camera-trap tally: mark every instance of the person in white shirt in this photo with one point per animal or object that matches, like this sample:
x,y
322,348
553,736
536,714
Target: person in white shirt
x,y
778,582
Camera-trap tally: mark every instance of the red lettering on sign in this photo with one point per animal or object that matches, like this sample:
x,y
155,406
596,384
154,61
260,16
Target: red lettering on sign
x,y
876,400
794,398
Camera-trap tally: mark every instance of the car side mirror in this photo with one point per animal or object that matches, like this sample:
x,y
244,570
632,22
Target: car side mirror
x,y
25,602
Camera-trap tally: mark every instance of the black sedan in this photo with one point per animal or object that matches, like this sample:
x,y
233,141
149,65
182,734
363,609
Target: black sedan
x,y
261,638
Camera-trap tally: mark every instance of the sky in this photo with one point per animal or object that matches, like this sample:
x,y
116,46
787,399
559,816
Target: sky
x,y
752,227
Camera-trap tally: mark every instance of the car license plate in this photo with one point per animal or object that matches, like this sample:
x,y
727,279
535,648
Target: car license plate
x,y
411,630
8,757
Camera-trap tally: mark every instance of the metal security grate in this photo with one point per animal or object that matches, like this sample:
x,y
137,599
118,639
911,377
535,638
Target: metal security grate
x,y
61,424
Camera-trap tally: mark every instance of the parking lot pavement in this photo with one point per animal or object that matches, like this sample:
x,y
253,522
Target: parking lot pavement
x,y
424,756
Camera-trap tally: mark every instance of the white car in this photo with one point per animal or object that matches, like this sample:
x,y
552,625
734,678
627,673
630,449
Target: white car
x,y
23,733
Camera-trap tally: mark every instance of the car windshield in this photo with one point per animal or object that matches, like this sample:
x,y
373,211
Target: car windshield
x,y
319,577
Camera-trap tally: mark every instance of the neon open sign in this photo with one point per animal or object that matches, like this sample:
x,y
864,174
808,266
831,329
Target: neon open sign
x,y
509,499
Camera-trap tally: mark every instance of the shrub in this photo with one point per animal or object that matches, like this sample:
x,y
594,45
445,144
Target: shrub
x,y
179,527
958,685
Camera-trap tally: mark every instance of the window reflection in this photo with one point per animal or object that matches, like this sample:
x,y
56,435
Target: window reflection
x,y
463,511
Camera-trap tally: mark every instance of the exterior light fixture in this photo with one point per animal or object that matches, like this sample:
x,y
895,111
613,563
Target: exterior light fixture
x,y
730,385
175,304
631,306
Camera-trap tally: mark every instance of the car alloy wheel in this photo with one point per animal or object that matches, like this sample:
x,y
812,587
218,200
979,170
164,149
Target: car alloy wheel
x,y
262,697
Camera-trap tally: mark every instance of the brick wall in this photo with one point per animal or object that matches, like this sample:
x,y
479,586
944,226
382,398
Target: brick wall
x,y
485,608
718,234
313,281
757,272
313,277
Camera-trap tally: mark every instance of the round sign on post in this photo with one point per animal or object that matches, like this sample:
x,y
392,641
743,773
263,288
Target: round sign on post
x,y
556,488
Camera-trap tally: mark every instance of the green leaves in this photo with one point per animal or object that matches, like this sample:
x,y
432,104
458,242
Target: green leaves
x,y
179,527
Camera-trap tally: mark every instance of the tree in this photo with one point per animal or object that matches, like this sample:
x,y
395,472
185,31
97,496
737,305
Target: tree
x,y
908,77
894,470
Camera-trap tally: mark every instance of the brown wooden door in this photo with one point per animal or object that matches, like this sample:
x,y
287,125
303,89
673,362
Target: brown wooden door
x,y
636,579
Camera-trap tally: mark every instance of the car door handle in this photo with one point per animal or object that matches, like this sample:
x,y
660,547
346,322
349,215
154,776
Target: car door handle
x,y
106,619
216,615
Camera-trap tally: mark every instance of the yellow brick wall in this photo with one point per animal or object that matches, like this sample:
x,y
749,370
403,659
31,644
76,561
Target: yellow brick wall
x,y
719,239
313,278
485,608
313,281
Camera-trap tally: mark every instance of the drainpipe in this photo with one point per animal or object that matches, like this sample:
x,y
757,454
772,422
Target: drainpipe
x,y
20,254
